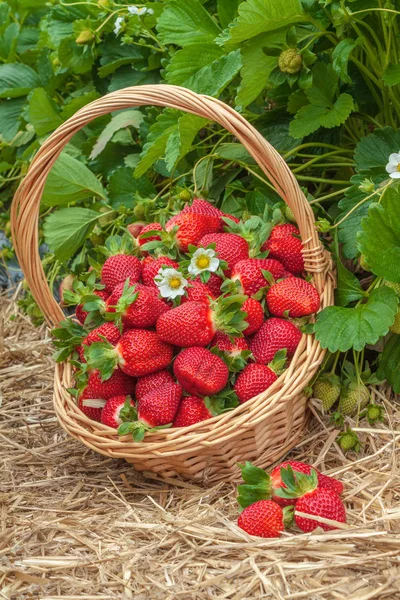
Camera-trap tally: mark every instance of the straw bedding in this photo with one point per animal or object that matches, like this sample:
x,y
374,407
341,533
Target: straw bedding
x,y
74,524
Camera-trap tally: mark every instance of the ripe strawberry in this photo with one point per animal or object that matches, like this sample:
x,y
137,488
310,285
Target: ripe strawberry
x,y
85,404
118,269
294,297
106,330
82,314
235,351
142,240
119,384
159,407
191,228
151,382
353,398
264,519
284,230
139,352
229,247
191,410
285,247
214,283
111,413
202,207
137,305
151,267
275,334
253,380
249,273
199,371
258,485
198,292
254,315
327,388
320,503
196,323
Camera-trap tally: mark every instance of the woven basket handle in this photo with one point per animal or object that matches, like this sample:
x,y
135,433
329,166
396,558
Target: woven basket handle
x,y
26,203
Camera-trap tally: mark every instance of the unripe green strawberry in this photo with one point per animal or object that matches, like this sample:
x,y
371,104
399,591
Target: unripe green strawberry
x,y
85,37
395,286
185,195
395,327
327,388
353,398
288,213
374,413
348,440
363,264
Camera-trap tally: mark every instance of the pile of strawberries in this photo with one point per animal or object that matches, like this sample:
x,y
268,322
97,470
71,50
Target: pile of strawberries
x,y
293,490
181,322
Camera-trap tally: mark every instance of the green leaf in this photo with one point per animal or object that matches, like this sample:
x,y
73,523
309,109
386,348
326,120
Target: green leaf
x,y
76,103
42,112
340,111
389,363
10,115
185,23
348,287
65,230
79,59
17,80
391,75
180,142
126,118
227,11
324,87
70,181
259,16
372,152
341,55
256,69
124,188
306,120
203,68
115,55
157,138
349,227
379,239
339,328
234,151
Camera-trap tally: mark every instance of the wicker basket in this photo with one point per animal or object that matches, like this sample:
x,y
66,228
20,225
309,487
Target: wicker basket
x,y
263,429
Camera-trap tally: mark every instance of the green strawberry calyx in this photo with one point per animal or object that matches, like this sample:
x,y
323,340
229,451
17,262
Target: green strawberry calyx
x,y
257,485
103,357
296,484
138,429
278,363
235,360
222,402
254,230
67,337
227,315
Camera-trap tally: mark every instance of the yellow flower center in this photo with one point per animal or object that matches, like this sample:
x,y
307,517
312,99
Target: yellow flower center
x,y
398,167
203,262
174,283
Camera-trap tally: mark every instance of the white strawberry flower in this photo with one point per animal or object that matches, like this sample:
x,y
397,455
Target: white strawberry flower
x,y
171,283
141,11
118,25
393,166
203,260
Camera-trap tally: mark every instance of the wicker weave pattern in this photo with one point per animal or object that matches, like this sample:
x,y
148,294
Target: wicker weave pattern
x,y
264,428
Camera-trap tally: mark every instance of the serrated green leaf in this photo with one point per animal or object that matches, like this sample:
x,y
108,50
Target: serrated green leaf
x,y
17,80
339,328
186,23
180,142
324,85
203,68
165,124
115,55
42,112
124,188
372,152
306,121
10,115
379,238
349,227
227,11
389,363
259,16
341,55
65,230
339,112
391,75
233,151
126,118
75,104
79,59
70,181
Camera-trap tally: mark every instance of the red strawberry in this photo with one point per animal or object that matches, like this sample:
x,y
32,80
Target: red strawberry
x,y
118,269
274,334
294,297
253,380
86,404
119,384
214,283
151,382
135,228
159,407
284,231
151,267
229,247
192,227
139,352
199,371
106,330
202,207
196,323
255,315
264,519
82,314
150,227
137,305
288,251
319,502
287,274
191,410
198,292
249,273
111,412
324,481
235,351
